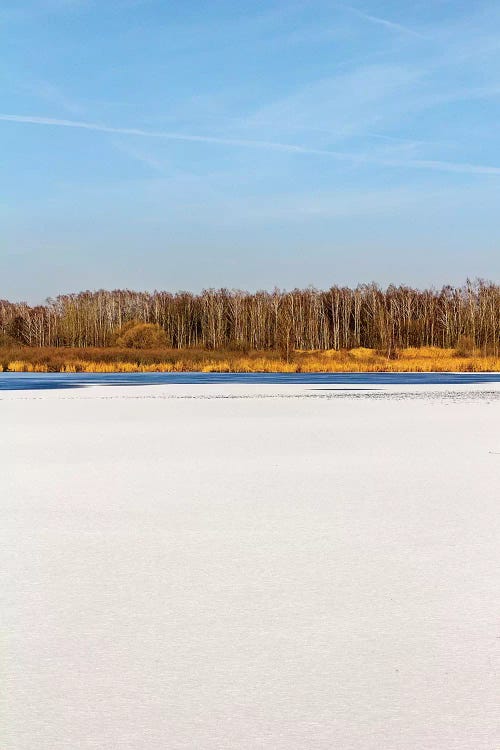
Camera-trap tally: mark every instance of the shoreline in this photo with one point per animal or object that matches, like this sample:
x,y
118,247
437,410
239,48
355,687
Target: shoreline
x,y
128,360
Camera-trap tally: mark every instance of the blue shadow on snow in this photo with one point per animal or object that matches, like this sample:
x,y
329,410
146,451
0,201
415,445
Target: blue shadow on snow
x,y
23,381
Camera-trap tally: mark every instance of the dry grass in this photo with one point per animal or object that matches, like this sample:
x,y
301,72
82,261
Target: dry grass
x,y
424,359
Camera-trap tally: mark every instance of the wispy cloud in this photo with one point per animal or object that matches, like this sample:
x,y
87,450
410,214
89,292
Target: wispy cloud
x,y
348,103
54,95
355,158
139,156
378,20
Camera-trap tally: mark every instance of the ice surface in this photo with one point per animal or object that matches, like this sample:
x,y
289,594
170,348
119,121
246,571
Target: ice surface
x,y
280,567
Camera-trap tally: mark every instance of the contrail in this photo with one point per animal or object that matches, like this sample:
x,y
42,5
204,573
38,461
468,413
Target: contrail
x,y
34,120
381,21
430,164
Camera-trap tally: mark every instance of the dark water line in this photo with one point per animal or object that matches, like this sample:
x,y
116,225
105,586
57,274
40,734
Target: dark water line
x,y
19,381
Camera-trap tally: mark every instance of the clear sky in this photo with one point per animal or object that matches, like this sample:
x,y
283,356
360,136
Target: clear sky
x,y
188,144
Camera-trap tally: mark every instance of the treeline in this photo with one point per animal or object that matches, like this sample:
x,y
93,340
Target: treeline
x,y
339,318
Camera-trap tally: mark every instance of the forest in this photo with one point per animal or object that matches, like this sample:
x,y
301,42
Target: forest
x,y
340,318
276,324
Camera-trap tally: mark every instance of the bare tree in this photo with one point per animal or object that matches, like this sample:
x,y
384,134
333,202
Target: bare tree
x,y
340,318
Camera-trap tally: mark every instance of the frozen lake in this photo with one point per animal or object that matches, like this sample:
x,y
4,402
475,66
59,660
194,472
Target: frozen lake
x,y
45,381
240,562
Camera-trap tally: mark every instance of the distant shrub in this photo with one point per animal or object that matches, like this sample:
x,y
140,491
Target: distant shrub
x,y
142,336
465,346
6,340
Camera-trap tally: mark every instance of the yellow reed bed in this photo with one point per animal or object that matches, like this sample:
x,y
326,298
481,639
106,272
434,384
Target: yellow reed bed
x,y
425,359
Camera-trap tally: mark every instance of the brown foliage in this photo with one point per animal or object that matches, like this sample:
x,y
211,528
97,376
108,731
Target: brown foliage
x,y
141,336
465,346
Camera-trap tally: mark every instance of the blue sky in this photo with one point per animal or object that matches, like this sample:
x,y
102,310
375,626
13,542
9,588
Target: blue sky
x,y
181,145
